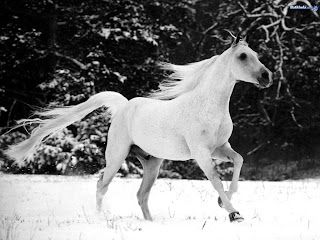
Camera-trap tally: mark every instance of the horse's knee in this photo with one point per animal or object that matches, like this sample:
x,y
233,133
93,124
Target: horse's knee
x,y
238,160
233,189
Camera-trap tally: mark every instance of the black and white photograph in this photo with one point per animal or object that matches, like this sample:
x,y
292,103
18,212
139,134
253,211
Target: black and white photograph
x,y
159,119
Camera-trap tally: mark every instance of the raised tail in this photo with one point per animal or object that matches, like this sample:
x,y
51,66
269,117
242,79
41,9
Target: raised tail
x,y
59,118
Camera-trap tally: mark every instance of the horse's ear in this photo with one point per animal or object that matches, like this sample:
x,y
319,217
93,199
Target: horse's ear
x,y
235,42
246,38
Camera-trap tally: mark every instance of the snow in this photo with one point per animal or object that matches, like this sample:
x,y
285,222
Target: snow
x,y
63,207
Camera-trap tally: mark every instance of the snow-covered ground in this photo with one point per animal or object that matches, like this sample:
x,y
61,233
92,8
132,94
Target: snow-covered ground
x,y
59,207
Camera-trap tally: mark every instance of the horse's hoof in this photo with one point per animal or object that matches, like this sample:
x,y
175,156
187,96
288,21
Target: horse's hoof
x,y
220,203
235,217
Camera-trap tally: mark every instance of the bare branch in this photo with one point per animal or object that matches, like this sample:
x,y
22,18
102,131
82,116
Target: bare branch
x,y
243,8
265,28
262,15
10,111
257,148
283,24
272,24
234,12
221,39
280,65
294,117
264,111
252,15
210,28
267,32
75,61
274,31
258,9
253,23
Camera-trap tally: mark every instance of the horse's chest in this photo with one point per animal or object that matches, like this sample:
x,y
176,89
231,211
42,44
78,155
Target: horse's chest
x,y
224,131
219,132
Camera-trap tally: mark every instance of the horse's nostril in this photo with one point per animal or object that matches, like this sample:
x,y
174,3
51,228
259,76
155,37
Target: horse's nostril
x,y
265,75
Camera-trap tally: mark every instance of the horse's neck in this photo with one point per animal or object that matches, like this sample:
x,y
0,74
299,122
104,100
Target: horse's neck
x,y
214,92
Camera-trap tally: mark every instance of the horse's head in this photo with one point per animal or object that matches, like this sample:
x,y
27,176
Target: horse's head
x,y
245,65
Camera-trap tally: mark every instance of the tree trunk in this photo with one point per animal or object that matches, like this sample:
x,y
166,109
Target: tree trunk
x,y
52,61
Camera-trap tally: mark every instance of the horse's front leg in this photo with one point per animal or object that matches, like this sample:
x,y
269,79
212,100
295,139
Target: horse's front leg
x,y
225,152
203,157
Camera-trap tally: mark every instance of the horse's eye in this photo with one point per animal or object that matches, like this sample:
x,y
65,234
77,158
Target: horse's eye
x,y
243,56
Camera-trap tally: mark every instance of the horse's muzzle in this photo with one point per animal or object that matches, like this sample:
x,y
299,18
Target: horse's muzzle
x,y
265,79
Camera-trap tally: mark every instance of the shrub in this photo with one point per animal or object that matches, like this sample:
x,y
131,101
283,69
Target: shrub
x,y
77,149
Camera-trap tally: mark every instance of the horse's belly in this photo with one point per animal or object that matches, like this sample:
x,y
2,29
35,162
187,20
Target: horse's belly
x,y
167,148
160,141
153,130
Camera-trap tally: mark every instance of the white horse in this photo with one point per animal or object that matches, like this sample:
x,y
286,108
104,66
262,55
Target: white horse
x,y
187,118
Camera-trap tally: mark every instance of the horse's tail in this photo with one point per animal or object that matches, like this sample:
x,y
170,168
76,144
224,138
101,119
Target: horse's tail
x,y
59,118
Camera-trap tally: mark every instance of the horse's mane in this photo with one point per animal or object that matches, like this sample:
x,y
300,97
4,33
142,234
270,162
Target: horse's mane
x,y
183,78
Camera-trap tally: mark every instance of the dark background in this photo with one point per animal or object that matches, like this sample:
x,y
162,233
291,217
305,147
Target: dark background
x,y
59,53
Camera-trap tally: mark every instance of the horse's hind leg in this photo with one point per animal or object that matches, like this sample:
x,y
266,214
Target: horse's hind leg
x,y
114,162
150,173
118,148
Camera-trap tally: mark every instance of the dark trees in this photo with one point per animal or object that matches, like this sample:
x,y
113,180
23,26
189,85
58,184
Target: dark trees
x,y
61,52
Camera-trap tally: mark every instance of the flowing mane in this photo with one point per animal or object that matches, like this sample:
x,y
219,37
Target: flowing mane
x,y
183,79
